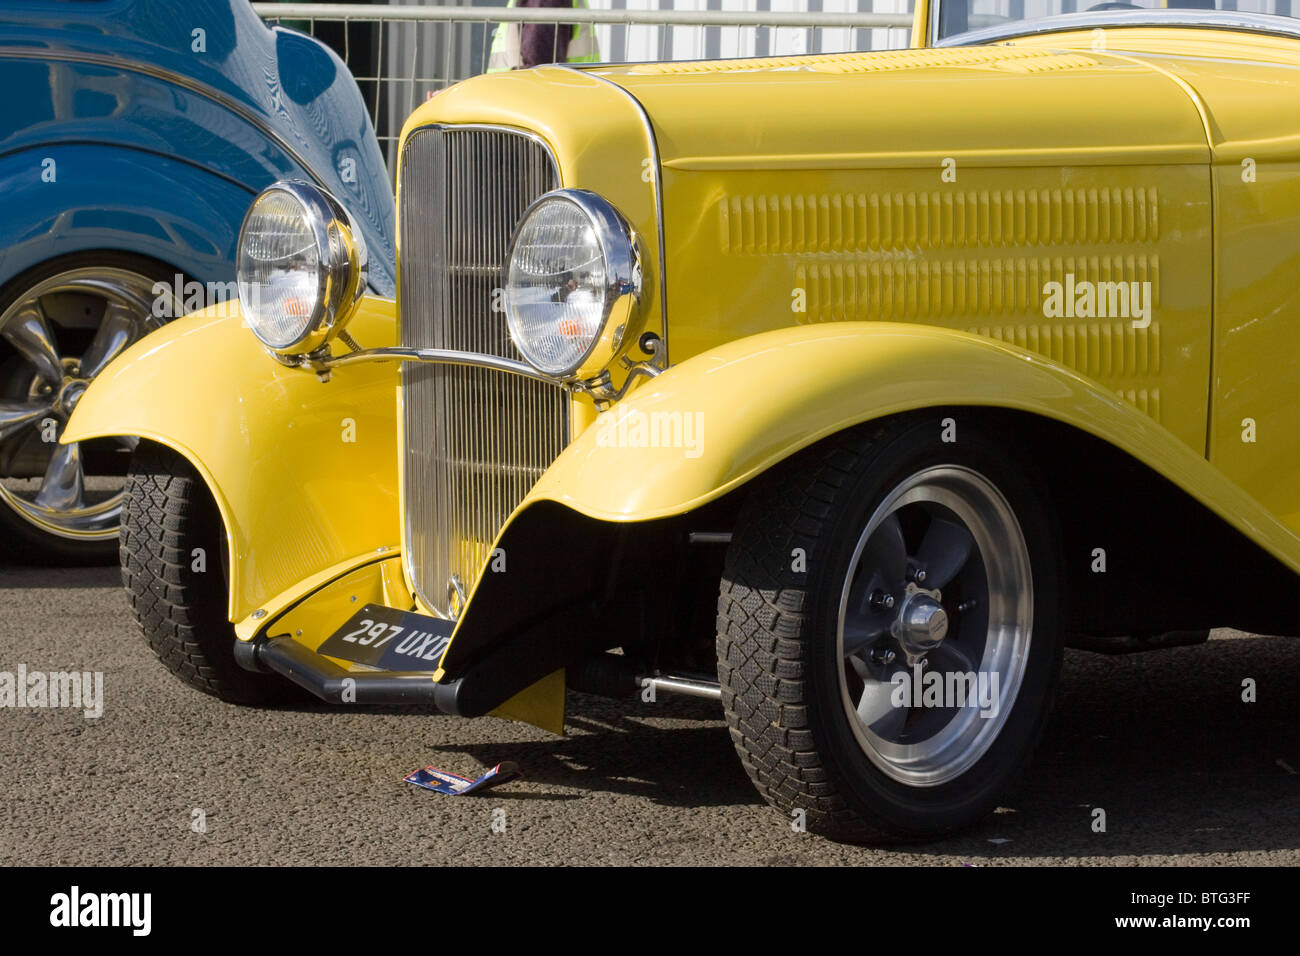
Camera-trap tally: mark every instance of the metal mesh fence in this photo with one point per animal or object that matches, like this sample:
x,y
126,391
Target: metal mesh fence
x,y
401,53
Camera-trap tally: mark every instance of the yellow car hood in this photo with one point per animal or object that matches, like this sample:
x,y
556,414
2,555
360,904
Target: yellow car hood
x,y
999,104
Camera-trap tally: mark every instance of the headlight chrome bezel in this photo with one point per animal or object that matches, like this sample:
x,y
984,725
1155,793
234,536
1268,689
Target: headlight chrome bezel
x,y
621,251
342,273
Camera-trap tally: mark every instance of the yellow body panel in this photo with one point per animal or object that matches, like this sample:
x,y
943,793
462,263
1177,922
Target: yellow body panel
x,y
304,472
993,172
331,602
897,246
1247,87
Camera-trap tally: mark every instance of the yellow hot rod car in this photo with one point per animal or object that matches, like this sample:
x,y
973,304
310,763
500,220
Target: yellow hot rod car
x,y
845,389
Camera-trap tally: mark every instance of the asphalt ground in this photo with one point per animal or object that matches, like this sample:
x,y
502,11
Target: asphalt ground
x,y
1185,770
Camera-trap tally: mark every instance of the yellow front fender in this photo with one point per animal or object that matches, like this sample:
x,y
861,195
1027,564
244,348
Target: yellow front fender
x,y
303,472
748,404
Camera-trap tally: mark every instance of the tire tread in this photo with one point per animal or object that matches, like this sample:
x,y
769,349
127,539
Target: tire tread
x,y
167,511
760,650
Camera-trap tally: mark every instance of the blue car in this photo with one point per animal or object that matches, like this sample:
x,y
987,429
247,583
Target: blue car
x,y
134,134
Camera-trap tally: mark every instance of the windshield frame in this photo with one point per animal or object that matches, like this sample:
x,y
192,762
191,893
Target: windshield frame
x,y
1102,19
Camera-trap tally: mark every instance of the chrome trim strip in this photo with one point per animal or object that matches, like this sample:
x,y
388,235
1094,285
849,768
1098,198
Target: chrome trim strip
x,y
687,686
1204,19
434,356
657,160
482,127
710,537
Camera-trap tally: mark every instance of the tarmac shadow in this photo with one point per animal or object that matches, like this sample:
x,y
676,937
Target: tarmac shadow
x,y
1161,742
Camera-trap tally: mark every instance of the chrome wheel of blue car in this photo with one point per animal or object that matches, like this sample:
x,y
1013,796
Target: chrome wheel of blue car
x,y
59,331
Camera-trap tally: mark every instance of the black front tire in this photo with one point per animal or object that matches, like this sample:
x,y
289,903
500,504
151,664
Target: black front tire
x,y
778,659
168,516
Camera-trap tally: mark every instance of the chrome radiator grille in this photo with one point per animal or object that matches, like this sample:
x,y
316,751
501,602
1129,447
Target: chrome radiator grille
x,y
476,439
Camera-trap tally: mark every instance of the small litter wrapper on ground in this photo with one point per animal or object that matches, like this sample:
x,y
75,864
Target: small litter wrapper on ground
x,y
453,784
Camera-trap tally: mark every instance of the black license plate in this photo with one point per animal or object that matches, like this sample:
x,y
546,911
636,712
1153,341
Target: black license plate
x,y
390,639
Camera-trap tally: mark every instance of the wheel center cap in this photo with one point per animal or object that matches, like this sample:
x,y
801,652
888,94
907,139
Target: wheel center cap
x,y
921,624
69,395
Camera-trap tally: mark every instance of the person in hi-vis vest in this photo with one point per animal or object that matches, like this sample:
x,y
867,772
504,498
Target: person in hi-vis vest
x,y
518,46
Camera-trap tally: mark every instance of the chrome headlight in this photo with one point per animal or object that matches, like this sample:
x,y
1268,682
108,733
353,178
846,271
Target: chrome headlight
x,y
301,266
573,280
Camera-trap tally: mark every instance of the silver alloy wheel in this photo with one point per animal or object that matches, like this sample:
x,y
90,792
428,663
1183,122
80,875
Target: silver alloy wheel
x,y
50,488
940,580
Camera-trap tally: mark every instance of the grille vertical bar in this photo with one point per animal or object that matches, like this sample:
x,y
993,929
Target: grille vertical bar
x,y
476,440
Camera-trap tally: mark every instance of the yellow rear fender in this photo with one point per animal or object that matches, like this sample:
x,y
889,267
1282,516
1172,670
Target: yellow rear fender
x,y
304,472
714,423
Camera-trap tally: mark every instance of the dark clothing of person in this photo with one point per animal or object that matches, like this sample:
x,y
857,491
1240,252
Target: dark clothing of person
x,y
545,42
